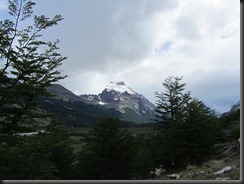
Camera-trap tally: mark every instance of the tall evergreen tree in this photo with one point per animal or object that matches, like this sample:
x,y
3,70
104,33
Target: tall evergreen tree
x,y
28,65
110,153
188,126
171,104
61,153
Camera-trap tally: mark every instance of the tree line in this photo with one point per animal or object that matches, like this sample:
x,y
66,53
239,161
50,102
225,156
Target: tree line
x,y
186,128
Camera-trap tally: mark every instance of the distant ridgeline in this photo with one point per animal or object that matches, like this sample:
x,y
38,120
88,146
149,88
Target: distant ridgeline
x,y
116,100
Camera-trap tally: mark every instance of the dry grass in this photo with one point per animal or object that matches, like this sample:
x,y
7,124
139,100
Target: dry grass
x,y
206,170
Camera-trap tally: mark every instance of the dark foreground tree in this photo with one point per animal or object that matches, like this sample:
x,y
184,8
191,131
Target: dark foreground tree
x,y
110,153
44,156
25,158
188,126
61,153
171,105
28,64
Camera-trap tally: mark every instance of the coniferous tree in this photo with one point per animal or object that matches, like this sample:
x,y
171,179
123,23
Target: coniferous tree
x,y
110,153
47,155
61,153
171,104
25,158
28,65
188,126
144,157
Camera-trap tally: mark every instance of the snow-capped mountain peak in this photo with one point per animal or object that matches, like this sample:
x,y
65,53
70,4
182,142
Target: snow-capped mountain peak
x,y
119,87
117,95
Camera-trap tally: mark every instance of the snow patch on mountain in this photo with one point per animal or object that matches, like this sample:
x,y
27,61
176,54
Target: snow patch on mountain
x,y
102,103
118,96
119,87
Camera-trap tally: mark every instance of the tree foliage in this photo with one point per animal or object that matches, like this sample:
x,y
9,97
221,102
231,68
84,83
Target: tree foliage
x,y
44,156
188,126
110,153
28,64
171,105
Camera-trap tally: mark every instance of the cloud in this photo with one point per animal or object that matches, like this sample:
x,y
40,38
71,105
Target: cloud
x,y
142,42
86,82
105,34
187,28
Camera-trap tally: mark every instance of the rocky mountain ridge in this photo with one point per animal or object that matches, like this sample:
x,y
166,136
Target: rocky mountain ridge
x,y
121,97
116,100
62,93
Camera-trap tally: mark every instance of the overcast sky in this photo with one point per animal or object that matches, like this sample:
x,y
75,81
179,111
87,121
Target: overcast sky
x,y
141,42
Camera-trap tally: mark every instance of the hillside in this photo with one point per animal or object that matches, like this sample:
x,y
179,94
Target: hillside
x,y
224,164
116,100
132,105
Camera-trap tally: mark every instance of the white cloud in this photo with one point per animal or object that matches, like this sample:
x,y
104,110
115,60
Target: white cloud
x,y
142,42
109,33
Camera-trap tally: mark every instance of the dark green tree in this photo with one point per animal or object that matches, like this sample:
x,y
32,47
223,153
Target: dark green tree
x,y
61,153
110,153
28,64
25,157
144,161
44,156
171,104
189,127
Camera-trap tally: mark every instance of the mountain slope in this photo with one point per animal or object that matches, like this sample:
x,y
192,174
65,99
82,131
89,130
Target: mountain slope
x,y
116,100
76,113
133,106
62,93
235,106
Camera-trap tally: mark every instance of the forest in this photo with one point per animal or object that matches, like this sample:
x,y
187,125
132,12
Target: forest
x,y
184,132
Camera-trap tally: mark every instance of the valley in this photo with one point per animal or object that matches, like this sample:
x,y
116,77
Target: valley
x,y
72,117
